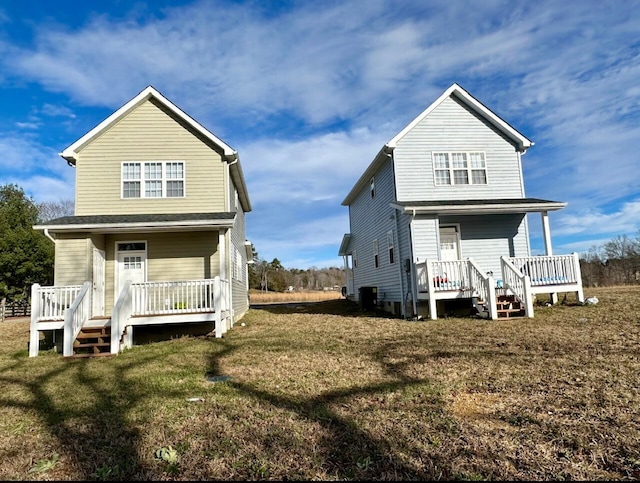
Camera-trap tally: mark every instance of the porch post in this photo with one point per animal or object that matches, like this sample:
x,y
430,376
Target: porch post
x,y
546,233
547,246
217,303
222,247
34,335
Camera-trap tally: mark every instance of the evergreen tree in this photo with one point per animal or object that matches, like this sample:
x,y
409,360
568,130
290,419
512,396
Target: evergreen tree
x,y
26,256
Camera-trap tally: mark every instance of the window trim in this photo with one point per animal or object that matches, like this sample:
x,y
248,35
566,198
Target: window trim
x,y
376,254
391,248
469,169
164,179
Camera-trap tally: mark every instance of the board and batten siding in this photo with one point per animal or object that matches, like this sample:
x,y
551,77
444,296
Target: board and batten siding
x,y
486,238
452,126
148,133
171,256
72,261
370,219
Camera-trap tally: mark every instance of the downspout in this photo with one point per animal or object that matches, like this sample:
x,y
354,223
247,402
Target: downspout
x,y
48,235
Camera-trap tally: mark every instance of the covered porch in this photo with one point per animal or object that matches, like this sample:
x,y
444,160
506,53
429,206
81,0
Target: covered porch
x,y
522,278
71,310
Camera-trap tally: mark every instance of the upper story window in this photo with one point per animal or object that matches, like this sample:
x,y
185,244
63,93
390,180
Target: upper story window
x,y
372,187
376,258
460,168
154,179
390,247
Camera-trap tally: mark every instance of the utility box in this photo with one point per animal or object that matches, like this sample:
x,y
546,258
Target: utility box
x,y
368,298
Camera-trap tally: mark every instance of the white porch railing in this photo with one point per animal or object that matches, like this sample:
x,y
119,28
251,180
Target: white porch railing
x,y
439,278
518,283
75,317
550,269
182,297
50,303
120,317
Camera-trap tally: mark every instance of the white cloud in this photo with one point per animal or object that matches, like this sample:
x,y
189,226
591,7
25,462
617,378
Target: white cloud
x,y
595,222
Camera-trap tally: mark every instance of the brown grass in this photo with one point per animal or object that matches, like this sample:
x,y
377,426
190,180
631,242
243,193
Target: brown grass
x,y
259,297
326,392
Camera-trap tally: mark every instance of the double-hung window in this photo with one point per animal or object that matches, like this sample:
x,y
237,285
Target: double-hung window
x,y
153,179
376,259
459,168
392,256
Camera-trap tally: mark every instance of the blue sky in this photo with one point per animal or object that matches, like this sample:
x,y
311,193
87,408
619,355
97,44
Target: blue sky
x,y
308,91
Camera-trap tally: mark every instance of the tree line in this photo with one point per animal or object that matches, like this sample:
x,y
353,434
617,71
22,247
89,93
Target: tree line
x,y
273,277
616,262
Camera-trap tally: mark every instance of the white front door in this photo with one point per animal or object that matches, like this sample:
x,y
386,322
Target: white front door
x,y
449,243
131,265
98,282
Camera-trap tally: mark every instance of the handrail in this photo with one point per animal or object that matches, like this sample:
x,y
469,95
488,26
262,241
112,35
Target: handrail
x,y
120,316
75,317
484,286
518,283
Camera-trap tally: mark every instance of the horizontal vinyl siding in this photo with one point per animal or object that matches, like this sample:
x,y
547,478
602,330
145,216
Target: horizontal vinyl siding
x,y
425,239
72,265
170,256
451,126
371,219
148,133
487,238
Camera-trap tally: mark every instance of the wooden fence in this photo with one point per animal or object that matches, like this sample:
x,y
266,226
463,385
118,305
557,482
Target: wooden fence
x,y
14,309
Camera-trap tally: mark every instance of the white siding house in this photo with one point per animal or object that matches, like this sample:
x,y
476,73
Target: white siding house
x,y
446,197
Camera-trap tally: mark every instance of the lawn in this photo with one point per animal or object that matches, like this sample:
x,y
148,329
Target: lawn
x,y
323,391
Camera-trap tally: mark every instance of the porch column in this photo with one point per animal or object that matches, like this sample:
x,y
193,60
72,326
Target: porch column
x,y
546,233
547,246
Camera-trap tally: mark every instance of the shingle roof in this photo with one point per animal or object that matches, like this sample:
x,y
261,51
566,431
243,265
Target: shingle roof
x,y
110,220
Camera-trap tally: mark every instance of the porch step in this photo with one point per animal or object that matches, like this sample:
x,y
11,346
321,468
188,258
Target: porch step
x,y
508,307
93,342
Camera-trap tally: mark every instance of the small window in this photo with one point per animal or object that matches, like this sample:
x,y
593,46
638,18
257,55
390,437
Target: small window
x,y
354,258
132,247
392,255
376,260
372,187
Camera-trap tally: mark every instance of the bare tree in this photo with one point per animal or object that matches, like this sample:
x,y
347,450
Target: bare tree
x,y
48,210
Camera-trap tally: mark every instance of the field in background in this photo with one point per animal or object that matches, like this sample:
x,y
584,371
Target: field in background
x,y
259,297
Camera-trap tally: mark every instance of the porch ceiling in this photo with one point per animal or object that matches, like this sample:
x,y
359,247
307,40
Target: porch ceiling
x,y
478,207
142,222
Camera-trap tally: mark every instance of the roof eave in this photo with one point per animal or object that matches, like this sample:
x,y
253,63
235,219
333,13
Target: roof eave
x,y
480,209
137,226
